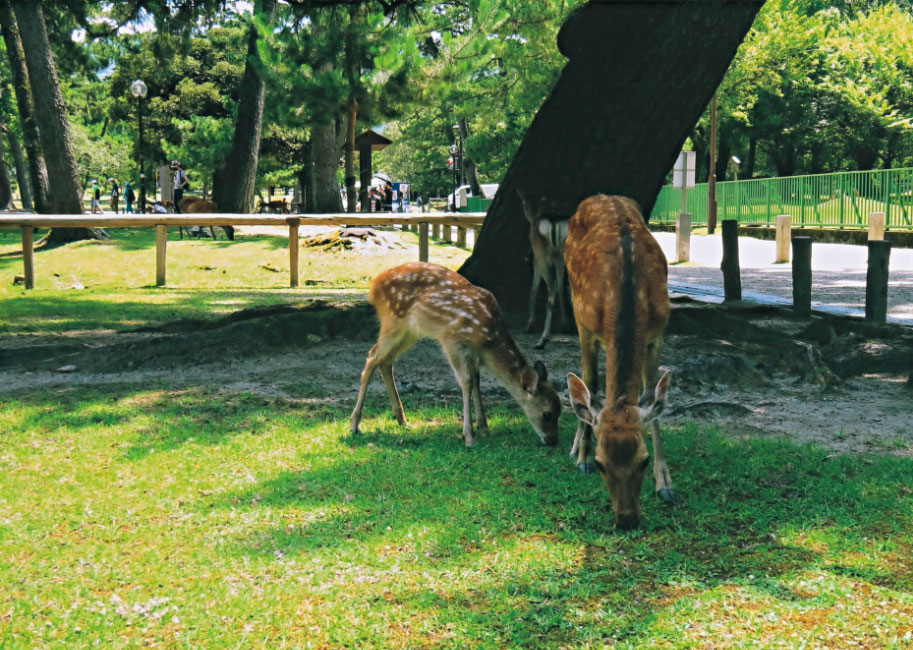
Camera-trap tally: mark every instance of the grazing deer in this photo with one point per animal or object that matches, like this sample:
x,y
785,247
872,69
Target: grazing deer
x,y
617,273
547,233
420,300
199,205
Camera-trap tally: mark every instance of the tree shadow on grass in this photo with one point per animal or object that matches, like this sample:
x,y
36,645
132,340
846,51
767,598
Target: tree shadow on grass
x,y
745,509
737,499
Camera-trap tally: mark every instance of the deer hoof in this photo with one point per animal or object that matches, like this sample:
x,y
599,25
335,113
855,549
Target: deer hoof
x,y
666,494
585,468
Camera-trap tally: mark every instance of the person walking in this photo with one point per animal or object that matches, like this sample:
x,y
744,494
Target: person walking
x,y
179,185
96,198
129,197
115,195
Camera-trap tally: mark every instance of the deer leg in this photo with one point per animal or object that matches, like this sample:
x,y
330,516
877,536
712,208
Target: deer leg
x,y
560,272
370,365
661,474
383,353
584,442
481,422
549,308
533,295
386,372
463,368
660,470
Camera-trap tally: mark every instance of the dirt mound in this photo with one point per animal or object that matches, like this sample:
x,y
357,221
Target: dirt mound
x,y
361,240
250,332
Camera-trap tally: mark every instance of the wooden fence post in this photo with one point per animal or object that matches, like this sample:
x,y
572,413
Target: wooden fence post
x,y
436,231
461,237
784,232
682,237
876,226
293,249
28,255
423,242
876,282
161,244
732,279
447,233
802,276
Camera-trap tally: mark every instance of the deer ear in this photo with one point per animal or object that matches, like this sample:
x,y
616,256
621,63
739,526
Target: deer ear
x,y
580,400
652,406
541,370
529,380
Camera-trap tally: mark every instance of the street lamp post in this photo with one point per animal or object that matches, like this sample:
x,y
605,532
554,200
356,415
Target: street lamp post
x,y
457,149
139,89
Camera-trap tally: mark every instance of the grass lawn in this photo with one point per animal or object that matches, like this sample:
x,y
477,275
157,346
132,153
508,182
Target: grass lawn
x,y
138,515
174,515
205,279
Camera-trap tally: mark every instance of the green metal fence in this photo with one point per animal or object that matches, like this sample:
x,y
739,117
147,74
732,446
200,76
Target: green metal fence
x,y
842,200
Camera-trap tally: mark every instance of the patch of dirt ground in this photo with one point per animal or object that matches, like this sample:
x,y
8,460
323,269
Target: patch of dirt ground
x,y
840,383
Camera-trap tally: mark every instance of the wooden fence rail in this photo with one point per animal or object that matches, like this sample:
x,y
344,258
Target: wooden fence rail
x,y
28,223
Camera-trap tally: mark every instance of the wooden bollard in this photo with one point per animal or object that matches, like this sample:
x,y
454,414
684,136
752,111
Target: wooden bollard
x,y
293,249
423,242
732,273
876,282
461,237
784,233
802,276
28,255
876,226
682,237
161,254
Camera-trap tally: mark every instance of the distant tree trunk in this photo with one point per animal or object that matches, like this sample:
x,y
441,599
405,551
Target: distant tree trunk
x,y
51,116
351,110
349,149
22,176
38,173
6,190
235,189
306,180
324,163
638,76
752,154
470,171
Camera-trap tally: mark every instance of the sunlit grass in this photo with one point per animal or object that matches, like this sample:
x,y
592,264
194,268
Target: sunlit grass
x,y
205,278
174,515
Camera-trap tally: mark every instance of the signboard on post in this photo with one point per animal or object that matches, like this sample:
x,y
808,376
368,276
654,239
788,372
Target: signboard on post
x,y
684,167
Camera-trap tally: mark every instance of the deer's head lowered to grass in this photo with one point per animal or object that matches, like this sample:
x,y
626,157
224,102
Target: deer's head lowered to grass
x,y
617,273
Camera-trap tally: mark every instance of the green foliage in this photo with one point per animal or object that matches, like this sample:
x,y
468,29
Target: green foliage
x,y
818,89
204,144
489,62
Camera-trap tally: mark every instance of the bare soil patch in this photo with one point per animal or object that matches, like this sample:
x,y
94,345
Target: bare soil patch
x,y
838,382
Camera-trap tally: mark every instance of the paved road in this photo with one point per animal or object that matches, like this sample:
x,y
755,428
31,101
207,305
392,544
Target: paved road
x,y
838,274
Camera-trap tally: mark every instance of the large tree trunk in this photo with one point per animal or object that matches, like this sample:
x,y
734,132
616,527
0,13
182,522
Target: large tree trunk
x,y
51,116
325,162
38,173
638,76
22,176
235,189
6,190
